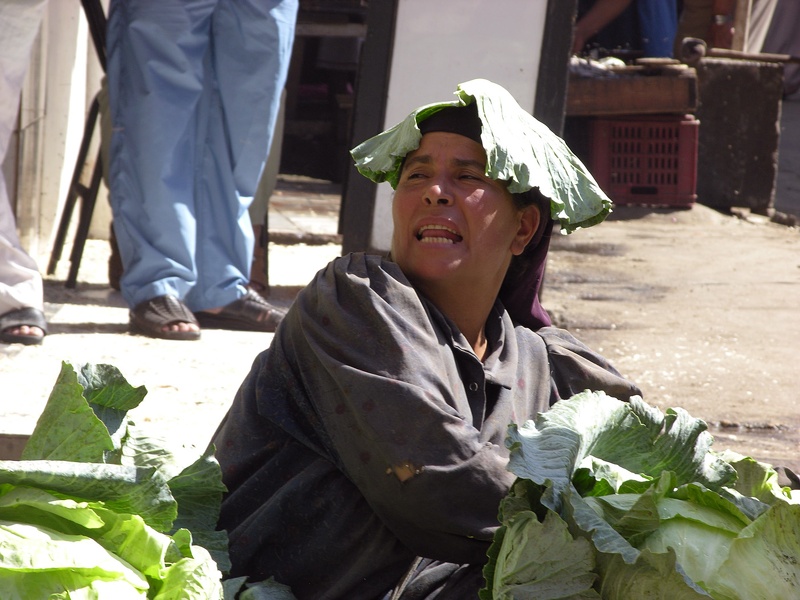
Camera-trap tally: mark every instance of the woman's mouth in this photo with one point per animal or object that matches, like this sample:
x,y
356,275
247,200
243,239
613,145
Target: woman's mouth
x,y
438,234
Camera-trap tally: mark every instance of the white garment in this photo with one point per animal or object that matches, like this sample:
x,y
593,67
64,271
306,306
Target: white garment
x,y
761,13
20,280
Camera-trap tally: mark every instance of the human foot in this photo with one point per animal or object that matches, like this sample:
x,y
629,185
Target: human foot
x,y
23,326
164,317
251,312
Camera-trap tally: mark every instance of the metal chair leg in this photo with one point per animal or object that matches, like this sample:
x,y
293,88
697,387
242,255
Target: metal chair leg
x,y
84,221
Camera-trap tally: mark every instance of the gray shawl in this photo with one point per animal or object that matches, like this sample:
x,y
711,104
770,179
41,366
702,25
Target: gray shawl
x,y
365,380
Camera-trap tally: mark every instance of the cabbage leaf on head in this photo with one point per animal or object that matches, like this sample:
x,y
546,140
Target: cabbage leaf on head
x,y
519,150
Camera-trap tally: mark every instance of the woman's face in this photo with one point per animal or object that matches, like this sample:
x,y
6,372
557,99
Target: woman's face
x,y
453,225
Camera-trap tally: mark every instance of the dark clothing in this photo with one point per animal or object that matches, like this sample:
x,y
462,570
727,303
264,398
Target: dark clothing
x,y
522,284
369,433
622,33
646,28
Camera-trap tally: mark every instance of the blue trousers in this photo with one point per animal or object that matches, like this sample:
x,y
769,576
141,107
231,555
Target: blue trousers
x,y
194,92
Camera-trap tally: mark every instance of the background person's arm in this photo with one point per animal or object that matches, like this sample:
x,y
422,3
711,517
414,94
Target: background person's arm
x,y
595,19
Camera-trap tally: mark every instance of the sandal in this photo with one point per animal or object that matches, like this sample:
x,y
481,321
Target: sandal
x,y
32,317
151,316
249,313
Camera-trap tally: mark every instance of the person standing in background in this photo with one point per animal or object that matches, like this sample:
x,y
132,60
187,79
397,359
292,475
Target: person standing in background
x,y
194,92
782,38
22,317
643,26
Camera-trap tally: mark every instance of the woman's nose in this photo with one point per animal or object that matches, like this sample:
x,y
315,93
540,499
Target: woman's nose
x,y
437,193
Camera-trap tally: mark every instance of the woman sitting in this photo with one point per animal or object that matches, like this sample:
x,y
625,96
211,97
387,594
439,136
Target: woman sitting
x,y
366,446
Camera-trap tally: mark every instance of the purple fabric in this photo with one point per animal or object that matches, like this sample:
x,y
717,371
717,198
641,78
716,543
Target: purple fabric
x,y
520,294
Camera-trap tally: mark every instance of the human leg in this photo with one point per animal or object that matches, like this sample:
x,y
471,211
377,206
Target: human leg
x,y
250,57
21,296
155,54
21,293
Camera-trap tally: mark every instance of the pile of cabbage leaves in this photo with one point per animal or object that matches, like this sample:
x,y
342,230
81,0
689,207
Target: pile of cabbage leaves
x,y
618,500
97,509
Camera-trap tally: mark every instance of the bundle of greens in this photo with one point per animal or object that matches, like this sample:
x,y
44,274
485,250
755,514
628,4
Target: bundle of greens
x,y
618,500
97,509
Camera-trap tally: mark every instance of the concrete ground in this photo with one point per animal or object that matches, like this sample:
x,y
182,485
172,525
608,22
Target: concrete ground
x,y
700,308
190,384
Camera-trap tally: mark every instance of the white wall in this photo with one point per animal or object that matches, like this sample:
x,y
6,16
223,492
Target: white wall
x,y
441,43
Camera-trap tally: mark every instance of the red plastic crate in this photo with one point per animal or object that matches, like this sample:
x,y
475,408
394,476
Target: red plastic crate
x,y
647,160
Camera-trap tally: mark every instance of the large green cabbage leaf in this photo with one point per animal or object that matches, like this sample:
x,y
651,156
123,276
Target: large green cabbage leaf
x,y
665,515
557,567
763,559
519,149
97,509
48,550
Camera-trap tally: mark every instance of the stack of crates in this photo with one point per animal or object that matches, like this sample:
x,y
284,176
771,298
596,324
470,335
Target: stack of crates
x,y
646,159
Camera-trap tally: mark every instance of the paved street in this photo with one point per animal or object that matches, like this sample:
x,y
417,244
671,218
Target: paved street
x,y
190,384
